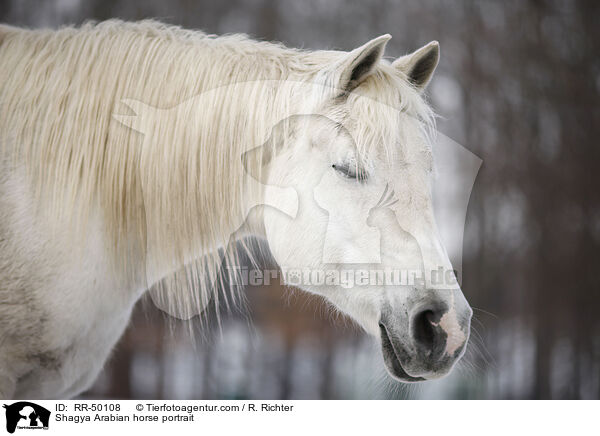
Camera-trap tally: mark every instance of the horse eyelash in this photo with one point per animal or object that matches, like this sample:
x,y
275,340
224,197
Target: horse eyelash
x,y
359,174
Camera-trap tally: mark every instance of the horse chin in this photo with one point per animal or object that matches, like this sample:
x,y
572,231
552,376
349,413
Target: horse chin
x,y
392,360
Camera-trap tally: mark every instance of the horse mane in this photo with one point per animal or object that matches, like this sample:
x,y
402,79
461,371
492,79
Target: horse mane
x,y
60,90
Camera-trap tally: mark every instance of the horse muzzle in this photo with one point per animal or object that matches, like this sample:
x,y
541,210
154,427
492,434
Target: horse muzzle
x,y
426,341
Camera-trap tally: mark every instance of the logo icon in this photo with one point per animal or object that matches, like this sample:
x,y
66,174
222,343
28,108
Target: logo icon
x,y
26,415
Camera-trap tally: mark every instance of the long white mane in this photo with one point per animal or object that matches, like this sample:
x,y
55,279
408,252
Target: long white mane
x,y
59,91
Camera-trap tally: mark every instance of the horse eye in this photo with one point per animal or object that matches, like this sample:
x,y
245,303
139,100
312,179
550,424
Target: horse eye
x,y
350,171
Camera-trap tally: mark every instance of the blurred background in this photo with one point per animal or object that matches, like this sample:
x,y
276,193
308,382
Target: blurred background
x,y
518,85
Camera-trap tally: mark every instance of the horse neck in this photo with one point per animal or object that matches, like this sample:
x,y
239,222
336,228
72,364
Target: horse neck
x,y
223,207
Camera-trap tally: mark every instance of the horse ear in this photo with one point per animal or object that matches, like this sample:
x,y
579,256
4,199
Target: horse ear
x,y
420,65
360,62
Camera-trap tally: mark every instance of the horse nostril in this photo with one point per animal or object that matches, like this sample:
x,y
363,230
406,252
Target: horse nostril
x,y
423,330
429,337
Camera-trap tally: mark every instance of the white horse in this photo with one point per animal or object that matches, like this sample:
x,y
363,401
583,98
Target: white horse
x,y
93,213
